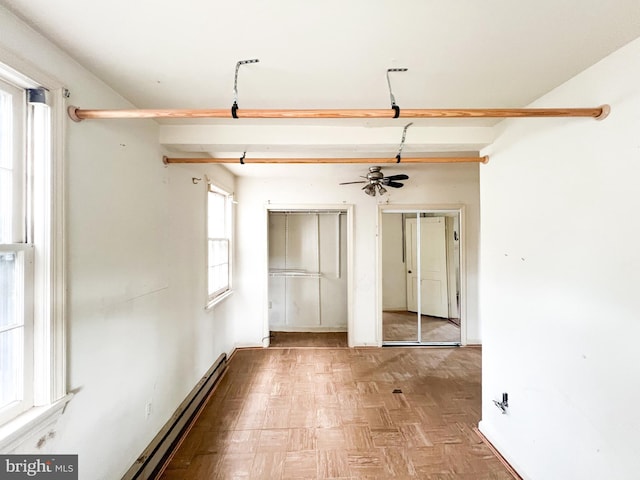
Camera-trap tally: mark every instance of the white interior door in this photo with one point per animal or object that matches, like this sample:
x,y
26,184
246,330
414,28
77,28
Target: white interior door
x,y
428,268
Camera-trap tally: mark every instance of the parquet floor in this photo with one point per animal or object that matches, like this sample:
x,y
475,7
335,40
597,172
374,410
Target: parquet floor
x,y
308,339
284,414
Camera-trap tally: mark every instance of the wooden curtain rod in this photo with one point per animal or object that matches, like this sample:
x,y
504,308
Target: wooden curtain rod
x,y
307,161
77,114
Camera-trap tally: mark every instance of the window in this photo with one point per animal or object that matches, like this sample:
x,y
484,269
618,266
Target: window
x,y
32,380
219,215
16,319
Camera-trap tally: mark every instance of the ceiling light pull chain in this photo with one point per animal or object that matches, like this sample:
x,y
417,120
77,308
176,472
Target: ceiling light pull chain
x,y
404,136
396,108
234,107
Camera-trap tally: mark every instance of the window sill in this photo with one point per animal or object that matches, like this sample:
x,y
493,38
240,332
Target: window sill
x,y
218,299
30,424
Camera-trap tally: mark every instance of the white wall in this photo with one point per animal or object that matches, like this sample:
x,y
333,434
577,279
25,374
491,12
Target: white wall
x,y
429,185
559,299
137,329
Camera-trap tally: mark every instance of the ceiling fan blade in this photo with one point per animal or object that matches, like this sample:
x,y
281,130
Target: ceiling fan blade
x,y
394,184
401,176
349,183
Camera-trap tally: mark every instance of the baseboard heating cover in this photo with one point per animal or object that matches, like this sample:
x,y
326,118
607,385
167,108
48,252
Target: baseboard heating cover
x,y
150,463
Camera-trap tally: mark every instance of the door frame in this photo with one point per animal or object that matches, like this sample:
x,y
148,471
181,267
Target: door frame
x,y
415,209
296,207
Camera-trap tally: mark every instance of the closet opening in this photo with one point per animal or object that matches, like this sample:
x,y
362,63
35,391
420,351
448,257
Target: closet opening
x,y
308,285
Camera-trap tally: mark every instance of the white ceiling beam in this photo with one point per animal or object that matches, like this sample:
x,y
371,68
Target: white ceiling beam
x,y
296,140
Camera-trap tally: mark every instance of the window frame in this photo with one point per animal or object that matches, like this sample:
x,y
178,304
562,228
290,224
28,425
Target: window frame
x,y
18,143
16,240
212,298
44,238
24,305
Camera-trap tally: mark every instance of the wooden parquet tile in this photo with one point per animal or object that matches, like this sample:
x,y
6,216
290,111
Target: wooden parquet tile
x,y
285,414
308,339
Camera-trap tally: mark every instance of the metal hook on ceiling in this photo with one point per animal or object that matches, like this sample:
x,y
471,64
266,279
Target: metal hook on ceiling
x,y
234,107
404,136
395,107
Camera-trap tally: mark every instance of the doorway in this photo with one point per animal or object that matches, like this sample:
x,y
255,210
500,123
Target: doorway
x,y
421,272
308,265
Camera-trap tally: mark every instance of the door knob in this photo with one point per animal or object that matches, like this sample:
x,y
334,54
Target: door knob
x,y
409,271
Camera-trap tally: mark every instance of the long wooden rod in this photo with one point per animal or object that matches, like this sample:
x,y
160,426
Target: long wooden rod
x,y
308,161
600,112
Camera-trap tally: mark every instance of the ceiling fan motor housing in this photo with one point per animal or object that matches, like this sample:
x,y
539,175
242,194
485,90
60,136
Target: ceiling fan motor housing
x,y
375,175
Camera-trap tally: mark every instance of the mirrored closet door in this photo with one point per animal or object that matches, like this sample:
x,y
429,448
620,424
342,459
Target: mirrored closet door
x,y
421,277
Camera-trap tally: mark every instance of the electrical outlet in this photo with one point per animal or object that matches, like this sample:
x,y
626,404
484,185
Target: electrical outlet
x,y
147,410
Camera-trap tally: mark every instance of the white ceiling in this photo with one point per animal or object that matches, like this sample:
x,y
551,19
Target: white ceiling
x,y
334,54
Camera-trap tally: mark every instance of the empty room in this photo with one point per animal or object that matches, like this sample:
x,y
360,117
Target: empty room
x,y
336,240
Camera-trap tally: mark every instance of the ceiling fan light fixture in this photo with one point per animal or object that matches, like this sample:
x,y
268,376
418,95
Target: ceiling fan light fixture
x,y
376,183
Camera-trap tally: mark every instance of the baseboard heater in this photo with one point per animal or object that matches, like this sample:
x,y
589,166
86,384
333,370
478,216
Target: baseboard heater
x,y
150,463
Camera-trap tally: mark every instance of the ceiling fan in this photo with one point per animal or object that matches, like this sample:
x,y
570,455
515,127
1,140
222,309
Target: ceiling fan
x,y
376,180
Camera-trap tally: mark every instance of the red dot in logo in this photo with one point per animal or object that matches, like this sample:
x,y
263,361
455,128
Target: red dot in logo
x,y
48,462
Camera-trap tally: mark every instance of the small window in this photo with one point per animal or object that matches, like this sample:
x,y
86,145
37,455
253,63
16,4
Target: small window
x,y
219,245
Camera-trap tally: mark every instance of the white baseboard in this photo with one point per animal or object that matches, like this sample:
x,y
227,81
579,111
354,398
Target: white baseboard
x,y
501,449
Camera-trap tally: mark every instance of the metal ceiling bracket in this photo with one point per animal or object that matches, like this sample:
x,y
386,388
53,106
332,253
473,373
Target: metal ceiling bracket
x,y
234,107
404,136
395,107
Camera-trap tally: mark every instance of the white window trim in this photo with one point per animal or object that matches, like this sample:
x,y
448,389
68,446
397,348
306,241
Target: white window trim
x,y
213,300
51,392
31,424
